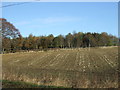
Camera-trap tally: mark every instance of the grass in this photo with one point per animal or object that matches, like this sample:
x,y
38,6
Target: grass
x,y
20,84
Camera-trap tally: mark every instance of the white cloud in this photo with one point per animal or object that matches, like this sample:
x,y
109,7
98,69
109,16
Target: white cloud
x,y
48,20
21,23
52,20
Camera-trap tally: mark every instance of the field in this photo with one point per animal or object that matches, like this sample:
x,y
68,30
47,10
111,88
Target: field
x,y
77,68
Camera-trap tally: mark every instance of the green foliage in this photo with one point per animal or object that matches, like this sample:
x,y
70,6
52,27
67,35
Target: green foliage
x,y
21,84
12,40
69,41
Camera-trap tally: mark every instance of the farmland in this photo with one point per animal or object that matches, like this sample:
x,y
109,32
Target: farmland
x,y
77,68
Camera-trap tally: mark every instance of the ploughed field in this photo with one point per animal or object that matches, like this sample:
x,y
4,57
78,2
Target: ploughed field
x,y
77,68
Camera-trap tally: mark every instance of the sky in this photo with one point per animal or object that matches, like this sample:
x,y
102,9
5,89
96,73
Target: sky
x,y
44,18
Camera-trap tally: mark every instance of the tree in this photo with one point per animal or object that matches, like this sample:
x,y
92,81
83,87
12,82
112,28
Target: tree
x,y
104,39
86,40
50,40
69,40
44,42
31,41
56,42
61,41
12,40
19,42
38,43
79,38
6,45
10,33
8,30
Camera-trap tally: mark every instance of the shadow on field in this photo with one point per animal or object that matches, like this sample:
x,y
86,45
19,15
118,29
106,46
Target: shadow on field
x,y
66,78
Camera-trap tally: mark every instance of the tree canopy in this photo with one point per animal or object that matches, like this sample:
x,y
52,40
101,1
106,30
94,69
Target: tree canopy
x,y
8,30
12,40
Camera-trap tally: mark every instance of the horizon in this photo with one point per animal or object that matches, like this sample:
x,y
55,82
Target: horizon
x,y
63,17
67,34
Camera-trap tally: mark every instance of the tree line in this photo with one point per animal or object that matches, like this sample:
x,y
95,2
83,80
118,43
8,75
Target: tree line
x,y
13,41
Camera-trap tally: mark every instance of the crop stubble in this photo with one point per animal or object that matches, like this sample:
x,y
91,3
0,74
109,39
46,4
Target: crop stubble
x,y
82,68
